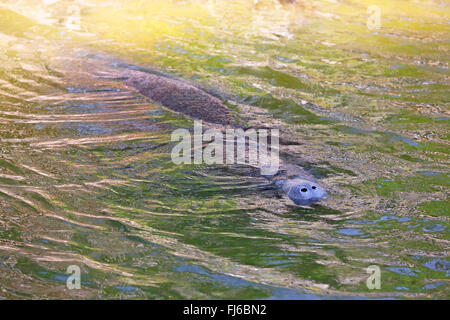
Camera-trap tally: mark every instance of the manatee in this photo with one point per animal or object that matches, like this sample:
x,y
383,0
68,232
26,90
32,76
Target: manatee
x,y
301,191
184,97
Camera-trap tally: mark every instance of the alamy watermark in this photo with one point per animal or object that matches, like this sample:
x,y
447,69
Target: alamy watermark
x,y
374,20
255,147
374,280
74,279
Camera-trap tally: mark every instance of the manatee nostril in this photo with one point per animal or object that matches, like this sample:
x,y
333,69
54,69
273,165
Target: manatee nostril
x,y
304,190
314,187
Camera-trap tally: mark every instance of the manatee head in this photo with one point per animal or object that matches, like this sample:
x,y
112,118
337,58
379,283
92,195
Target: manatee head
x,y
302,192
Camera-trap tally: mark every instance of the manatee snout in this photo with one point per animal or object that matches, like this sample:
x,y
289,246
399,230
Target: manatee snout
x,y
302,192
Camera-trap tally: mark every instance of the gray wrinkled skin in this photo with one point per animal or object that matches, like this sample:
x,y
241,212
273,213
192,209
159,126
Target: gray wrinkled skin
x,y
301,191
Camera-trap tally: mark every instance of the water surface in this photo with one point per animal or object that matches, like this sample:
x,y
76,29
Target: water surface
x,y
86,177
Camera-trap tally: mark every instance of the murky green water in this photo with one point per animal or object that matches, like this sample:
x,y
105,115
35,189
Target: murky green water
x,y
85,171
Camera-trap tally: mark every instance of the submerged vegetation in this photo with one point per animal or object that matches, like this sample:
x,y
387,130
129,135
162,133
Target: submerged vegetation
x,y
86,177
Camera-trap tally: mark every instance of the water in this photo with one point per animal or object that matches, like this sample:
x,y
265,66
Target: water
x,y
85,171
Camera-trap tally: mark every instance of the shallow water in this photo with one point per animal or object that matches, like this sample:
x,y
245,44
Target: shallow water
x,y
86,177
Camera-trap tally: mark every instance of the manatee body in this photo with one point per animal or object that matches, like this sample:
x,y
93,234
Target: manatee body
x,y
301,191
183,97
179,96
